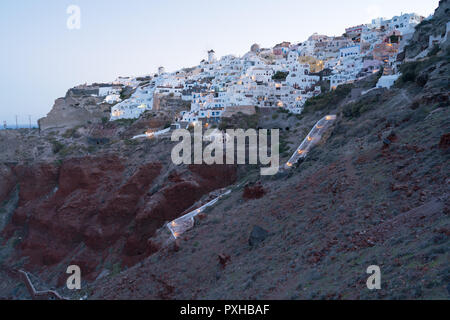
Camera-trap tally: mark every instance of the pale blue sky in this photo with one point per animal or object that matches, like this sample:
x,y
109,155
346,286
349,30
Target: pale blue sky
x,y
40,58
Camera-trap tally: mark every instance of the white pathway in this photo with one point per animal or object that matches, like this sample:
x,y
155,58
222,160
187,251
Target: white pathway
x,y
152,134
186,222
311,139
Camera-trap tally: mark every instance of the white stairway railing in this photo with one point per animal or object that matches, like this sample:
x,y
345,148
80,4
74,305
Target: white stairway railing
x,y
186,222
311,139
151,134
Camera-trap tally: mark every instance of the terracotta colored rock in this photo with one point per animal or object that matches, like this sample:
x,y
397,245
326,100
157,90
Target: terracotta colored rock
x,y
224,259
36,181
444,143
94,209
254,192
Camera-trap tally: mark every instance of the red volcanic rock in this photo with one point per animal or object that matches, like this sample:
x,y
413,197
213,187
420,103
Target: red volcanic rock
x,y
444,143
167,204
135,246
87,260
224,259
254,192
7,182
91,208
36,181
90,174
125,201
215,175
175,177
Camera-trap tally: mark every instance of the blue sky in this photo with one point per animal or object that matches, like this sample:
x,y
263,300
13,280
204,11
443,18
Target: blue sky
x,y
40,58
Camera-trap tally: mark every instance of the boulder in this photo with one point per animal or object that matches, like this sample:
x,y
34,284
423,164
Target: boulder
x,y
257,236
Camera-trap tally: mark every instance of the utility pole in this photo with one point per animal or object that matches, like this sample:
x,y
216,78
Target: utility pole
x,y
29,118
17,124
4,124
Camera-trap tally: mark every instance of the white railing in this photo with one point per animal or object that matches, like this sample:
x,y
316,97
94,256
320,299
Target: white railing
x,y
152,134
186,222
311,140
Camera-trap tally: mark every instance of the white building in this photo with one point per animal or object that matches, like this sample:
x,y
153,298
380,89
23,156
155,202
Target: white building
x,y
350,51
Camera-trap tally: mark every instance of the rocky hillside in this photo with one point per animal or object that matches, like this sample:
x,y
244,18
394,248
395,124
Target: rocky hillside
x,y
436,26
375,191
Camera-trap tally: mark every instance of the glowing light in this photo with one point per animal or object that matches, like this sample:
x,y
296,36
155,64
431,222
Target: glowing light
x,y
310,139
117,113
289,164
149,133
301,151
319,127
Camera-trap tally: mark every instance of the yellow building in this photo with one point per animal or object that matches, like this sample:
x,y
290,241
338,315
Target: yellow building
x,y
315,65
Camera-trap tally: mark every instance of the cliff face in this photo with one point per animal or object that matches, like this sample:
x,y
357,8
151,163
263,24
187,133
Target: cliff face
x,y
77,108
93,209
434,27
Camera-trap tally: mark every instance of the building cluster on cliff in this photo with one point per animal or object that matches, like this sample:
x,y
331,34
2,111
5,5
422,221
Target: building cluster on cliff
x,y
284,76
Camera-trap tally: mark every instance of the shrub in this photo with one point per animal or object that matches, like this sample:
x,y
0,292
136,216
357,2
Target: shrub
x,y
327,100
280,76
69,133
409,71
354,110
130,142
57,146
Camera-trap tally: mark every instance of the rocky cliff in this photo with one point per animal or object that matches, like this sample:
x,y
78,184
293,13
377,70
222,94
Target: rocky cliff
x,y
90,210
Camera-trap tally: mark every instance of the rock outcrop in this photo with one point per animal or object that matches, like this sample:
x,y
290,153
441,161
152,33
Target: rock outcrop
x,y
92,209
77,108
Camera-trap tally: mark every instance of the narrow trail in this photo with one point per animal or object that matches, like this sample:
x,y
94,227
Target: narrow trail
x,y
35,294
